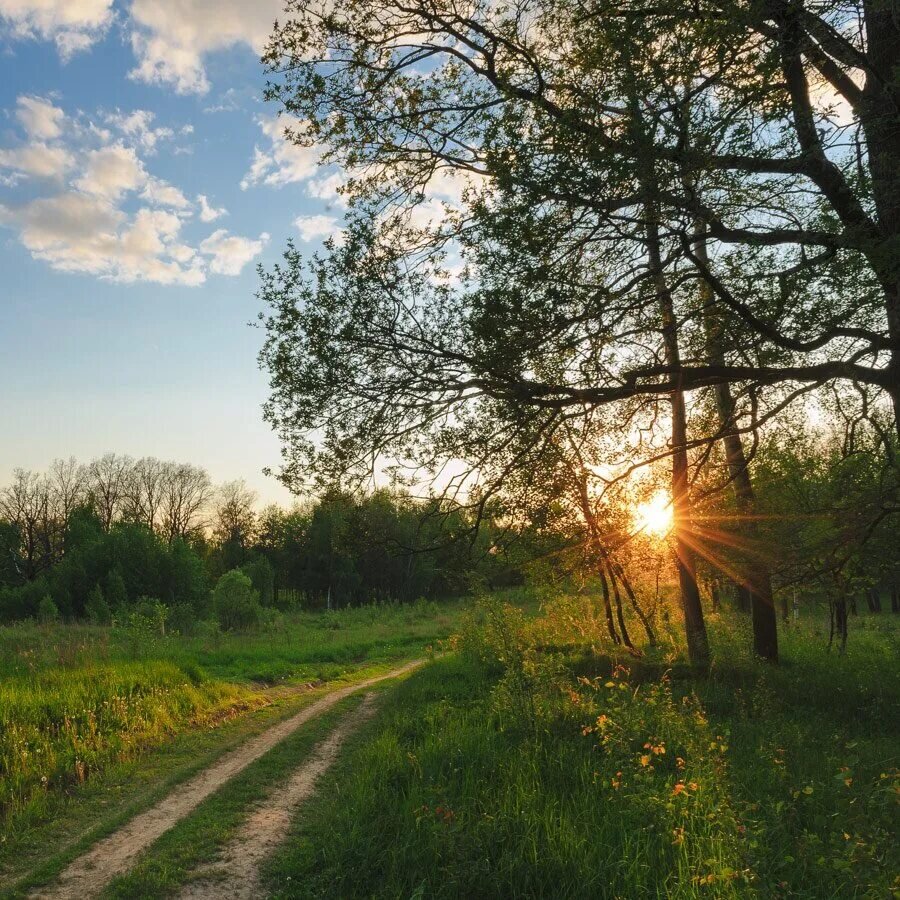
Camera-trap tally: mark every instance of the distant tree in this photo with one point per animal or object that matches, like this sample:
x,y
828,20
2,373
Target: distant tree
x,y
97,609
116,593
262,575
108,484
10,561
235,523
235,601
24,503
186,494
47,612
68,491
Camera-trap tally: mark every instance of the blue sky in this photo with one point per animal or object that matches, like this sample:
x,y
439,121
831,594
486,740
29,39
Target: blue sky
x,y
126,297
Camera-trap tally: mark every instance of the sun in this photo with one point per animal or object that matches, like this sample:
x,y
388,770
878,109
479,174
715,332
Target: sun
x,y
655,515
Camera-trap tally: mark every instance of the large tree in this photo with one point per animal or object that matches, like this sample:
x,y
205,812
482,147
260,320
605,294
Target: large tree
x,y
642,171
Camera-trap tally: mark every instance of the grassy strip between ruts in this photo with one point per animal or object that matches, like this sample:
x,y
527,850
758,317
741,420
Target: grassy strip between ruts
x,y
606,782
101,805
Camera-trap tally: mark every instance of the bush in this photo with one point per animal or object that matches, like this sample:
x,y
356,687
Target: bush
x,y
47,611
182,619
154,611
97,609
22,602
235,601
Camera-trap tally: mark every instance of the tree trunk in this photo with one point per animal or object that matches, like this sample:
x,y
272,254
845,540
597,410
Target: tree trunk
x,y
620,615
645,622
895,600
840,610
757,580
873,599
607,607
694,624
880,120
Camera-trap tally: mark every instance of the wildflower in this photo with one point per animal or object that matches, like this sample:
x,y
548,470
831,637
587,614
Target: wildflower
x,y
679,789
678,836
617,781
679,762
645,760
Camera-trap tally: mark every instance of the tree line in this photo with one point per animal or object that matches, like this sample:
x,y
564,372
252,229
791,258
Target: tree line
x,y
115,534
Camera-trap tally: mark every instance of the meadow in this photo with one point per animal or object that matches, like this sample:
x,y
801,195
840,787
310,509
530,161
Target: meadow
x,y
534,762
77,700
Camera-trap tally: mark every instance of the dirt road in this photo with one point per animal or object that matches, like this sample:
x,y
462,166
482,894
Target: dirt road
x,y
235,876
86,876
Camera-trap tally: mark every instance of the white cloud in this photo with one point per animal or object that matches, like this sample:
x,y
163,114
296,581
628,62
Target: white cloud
x,y
209,213
171,40
282,162
72,24
228,102
327,188
77,232
37,159
313,227
161,193
137,126
112,218
112,171
39,117
230,253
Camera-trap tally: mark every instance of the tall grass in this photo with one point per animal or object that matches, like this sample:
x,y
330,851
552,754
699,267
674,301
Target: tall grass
x,y
75,699
60,726
529,765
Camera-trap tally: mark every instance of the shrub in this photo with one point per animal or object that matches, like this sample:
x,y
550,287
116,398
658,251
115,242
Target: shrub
x,y
47,611
235,601
154,611
22,601
97,609
182,618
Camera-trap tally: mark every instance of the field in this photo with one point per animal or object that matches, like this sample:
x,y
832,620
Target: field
x,y
525,759
511,770
76,701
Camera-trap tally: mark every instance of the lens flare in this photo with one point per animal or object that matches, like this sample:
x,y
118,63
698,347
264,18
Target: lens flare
x,y
654,517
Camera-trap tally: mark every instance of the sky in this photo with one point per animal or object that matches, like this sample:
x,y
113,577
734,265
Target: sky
x,y
142,180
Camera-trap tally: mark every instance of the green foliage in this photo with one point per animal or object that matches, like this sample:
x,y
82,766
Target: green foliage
x,y
47,610
236,602
97,609
262,575
116,592
182,619
154,612
22,601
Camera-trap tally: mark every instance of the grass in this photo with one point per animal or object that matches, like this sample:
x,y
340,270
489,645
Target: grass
x,y
511,769
79,705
